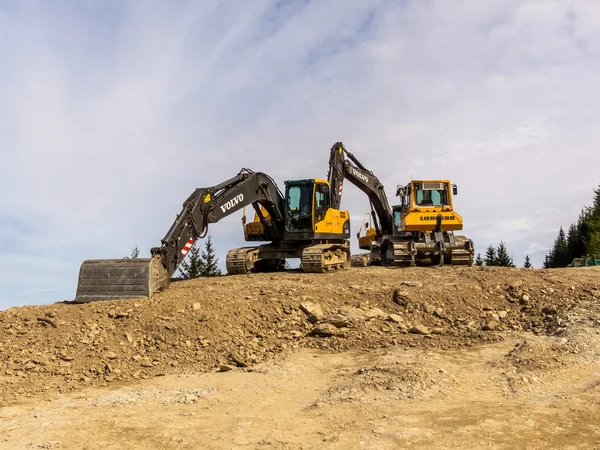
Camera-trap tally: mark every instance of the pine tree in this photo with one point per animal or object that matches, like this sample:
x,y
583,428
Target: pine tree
x,y
195,267
593,242
560,252
209,261
135,252
527,264
490,256
502,256
575,246
478,260
548,261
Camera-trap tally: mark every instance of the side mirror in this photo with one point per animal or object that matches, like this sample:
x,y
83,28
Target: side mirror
x,y
454,190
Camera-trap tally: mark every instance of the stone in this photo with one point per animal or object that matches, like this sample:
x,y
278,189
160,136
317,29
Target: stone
x,y
549,310
224,368
146,362
524,299
502,314
439,313
490,325
419,329
313,311
111,355
197,306
411,283
400,297
339,321
374,313
395,318
323,329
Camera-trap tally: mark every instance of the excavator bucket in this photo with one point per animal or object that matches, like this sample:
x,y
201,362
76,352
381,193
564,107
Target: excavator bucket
x,y
112,279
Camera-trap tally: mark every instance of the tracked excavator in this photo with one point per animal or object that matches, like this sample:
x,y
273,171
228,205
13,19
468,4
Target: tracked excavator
x,y
300,224
418,232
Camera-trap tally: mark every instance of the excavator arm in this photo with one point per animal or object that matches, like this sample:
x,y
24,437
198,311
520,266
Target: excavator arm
x,y
210,205
344,165
120,278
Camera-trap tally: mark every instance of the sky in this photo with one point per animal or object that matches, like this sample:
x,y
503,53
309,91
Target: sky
x,y
113,112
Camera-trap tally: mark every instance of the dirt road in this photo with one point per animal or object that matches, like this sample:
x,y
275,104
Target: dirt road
x,y
376,358
312,399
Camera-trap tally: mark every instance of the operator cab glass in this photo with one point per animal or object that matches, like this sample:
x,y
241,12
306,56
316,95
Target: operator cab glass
x,y
299,206
431,194
397,209
322,201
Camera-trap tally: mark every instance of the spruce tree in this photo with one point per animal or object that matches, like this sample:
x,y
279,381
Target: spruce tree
x,y
195,267
527,264
560,251
548,261
135,252
575,247
502,256
490,256
593,242
209,260
478,260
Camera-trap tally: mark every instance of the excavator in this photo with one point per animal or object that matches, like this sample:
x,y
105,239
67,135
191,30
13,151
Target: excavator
x,y
418,232
300,224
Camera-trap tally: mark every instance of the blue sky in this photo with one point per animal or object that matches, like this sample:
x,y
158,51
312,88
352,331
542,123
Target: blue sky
x,y
113,112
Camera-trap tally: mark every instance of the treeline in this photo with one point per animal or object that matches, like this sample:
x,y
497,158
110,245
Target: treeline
x,y
581,239
498,256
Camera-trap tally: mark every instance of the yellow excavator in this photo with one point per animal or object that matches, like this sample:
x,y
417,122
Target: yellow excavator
x,y
418,232
300,224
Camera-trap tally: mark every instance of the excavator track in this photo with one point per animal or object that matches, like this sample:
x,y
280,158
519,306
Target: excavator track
x,y
322,257
240,260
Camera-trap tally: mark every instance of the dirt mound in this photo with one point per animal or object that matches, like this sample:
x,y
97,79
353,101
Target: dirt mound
x,y
231,323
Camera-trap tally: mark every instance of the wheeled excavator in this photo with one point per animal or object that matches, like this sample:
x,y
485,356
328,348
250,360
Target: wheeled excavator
x,y
300,224
418,232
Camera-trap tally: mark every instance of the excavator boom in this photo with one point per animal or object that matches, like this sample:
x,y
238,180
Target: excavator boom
x,y
111,279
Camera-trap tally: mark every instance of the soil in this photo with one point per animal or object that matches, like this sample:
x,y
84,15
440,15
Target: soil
x,y
441,357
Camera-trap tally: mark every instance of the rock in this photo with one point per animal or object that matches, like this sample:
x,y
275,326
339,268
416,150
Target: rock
x,y
400,297
237,360
439,313
419,329
224,368
323,329
427,308
549,310
378,431
352,313
146,362
197,306
339,321
111,355
313,311
438,330
411,283
47,321
490,325
395,318
524,299
502,314
374,313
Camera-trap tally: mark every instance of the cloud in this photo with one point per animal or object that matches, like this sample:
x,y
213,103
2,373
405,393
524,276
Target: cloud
x,y
112,113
